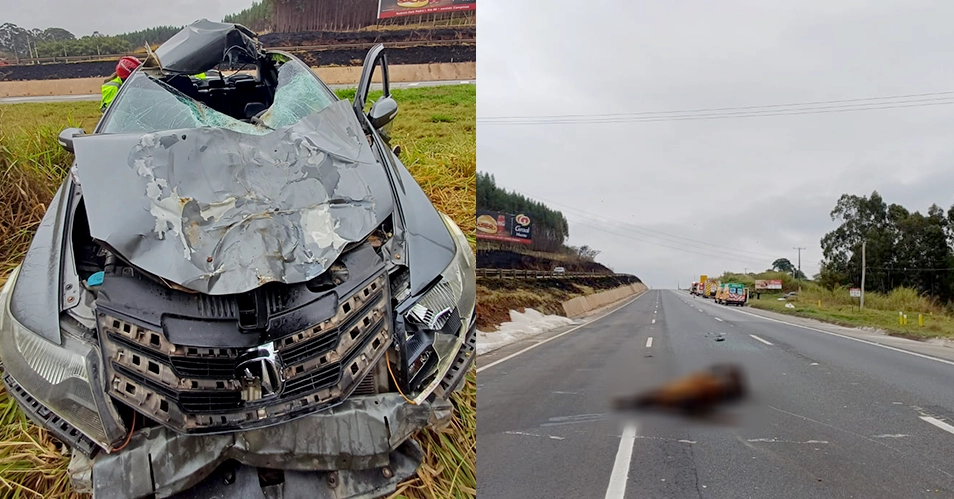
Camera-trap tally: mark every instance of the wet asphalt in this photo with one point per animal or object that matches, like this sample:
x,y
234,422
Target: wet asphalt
x,y
828,415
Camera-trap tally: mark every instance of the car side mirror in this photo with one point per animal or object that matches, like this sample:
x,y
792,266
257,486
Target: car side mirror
x,y
383,112
66,137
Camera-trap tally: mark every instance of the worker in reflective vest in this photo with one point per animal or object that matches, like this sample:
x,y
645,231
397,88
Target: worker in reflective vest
x,y
124,68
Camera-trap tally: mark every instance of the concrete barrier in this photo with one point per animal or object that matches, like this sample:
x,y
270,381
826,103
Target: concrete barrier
x,y
582,304
456,71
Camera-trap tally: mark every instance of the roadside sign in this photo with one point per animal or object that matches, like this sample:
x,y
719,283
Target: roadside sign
x,y
855,292
761,284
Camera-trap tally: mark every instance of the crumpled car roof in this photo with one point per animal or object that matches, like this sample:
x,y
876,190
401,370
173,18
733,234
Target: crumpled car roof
x,y
204,44
219,211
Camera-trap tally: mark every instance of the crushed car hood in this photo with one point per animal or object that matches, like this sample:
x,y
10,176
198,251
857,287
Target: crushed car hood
x,y
203,44
223,212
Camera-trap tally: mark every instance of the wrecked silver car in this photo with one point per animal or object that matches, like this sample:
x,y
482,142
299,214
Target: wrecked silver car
x,y
239,290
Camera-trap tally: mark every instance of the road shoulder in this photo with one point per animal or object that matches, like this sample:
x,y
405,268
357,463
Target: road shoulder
x,y
941,351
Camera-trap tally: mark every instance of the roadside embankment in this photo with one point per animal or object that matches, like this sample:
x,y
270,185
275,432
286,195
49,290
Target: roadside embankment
x,y
580,305
497,297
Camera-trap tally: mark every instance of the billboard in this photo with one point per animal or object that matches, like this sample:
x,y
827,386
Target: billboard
x,y
768,284
399,8
498,226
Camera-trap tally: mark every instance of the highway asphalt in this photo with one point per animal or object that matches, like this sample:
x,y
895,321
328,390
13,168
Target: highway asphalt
x,y
832,414
96,97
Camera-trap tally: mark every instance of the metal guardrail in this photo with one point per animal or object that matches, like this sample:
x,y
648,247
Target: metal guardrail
x,y
340,46
540,274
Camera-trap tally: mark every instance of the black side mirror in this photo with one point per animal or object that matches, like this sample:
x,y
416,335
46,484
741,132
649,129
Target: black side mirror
x,y
66,137
383,112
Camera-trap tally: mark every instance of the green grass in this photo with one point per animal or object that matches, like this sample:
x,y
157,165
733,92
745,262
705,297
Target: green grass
x,y
441,154
881,310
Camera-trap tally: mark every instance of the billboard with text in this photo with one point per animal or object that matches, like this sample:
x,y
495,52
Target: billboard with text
x,y
399,8
498,226
768,284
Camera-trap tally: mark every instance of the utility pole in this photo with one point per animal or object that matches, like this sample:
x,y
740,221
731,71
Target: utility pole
x,y
799,261
863,243
798,273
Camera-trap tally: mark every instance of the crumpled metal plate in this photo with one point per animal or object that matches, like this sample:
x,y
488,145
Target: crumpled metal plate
x,y
222,212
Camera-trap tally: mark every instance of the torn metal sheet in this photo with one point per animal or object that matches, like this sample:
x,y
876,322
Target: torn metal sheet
x,y
204,44
360,434
221,212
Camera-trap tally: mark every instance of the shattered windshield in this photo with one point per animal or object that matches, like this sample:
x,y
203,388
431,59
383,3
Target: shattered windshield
x,y
150,105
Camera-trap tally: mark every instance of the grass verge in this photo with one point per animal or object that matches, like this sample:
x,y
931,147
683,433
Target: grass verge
x,y
436,131
881,310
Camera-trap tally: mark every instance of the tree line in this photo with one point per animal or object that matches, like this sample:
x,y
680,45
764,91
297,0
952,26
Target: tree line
x,y
902,248
257,18
21,43
550,228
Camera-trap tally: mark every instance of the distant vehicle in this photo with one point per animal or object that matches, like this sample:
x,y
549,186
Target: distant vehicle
x,y
732,294
559,270
710,289
694,288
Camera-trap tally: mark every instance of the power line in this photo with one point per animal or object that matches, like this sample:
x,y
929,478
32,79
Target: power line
x,y
708,252
678,248
794,112
652,232
737,108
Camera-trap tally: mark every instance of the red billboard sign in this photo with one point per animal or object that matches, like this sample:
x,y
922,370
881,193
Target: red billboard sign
x,y
768,284
504,227
400,8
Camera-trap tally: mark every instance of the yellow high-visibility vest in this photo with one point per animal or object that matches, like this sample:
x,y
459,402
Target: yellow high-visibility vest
x,y
110,89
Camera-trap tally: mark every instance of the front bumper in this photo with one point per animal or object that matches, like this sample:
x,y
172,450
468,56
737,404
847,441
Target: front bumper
x,y
361,435
358,449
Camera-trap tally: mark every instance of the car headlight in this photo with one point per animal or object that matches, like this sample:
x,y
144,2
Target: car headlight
x,y
56,376
443,315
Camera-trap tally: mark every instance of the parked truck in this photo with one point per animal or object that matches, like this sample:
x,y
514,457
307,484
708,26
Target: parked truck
x,y
711,288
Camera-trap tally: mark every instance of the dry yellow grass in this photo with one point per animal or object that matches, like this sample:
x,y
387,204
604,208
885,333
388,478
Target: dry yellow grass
x,y
435,128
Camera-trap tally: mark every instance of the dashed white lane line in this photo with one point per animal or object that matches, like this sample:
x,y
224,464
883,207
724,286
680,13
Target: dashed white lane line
x,y
617,483
718,319
859,340
535,345
649,342
937,422
760,339
654,321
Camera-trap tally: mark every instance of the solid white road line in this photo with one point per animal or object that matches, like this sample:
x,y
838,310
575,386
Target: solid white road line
x,y
531,347
649,342
617,483
760,339
859,340
718,319
940,424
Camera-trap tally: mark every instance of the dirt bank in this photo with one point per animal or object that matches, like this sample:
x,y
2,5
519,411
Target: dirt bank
x,y
505,259
497,297
349,57
303,38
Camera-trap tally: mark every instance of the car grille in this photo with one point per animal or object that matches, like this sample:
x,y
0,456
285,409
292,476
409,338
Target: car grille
x,y
208,390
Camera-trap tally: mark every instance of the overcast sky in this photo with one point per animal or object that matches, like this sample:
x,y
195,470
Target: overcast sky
x,y
112,17
763,185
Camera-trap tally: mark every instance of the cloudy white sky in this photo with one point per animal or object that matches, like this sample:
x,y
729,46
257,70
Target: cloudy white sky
x,y
762,185
112,17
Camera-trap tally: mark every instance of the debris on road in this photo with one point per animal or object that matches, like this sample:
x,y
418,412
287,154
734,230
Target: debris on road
x,y
696,394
